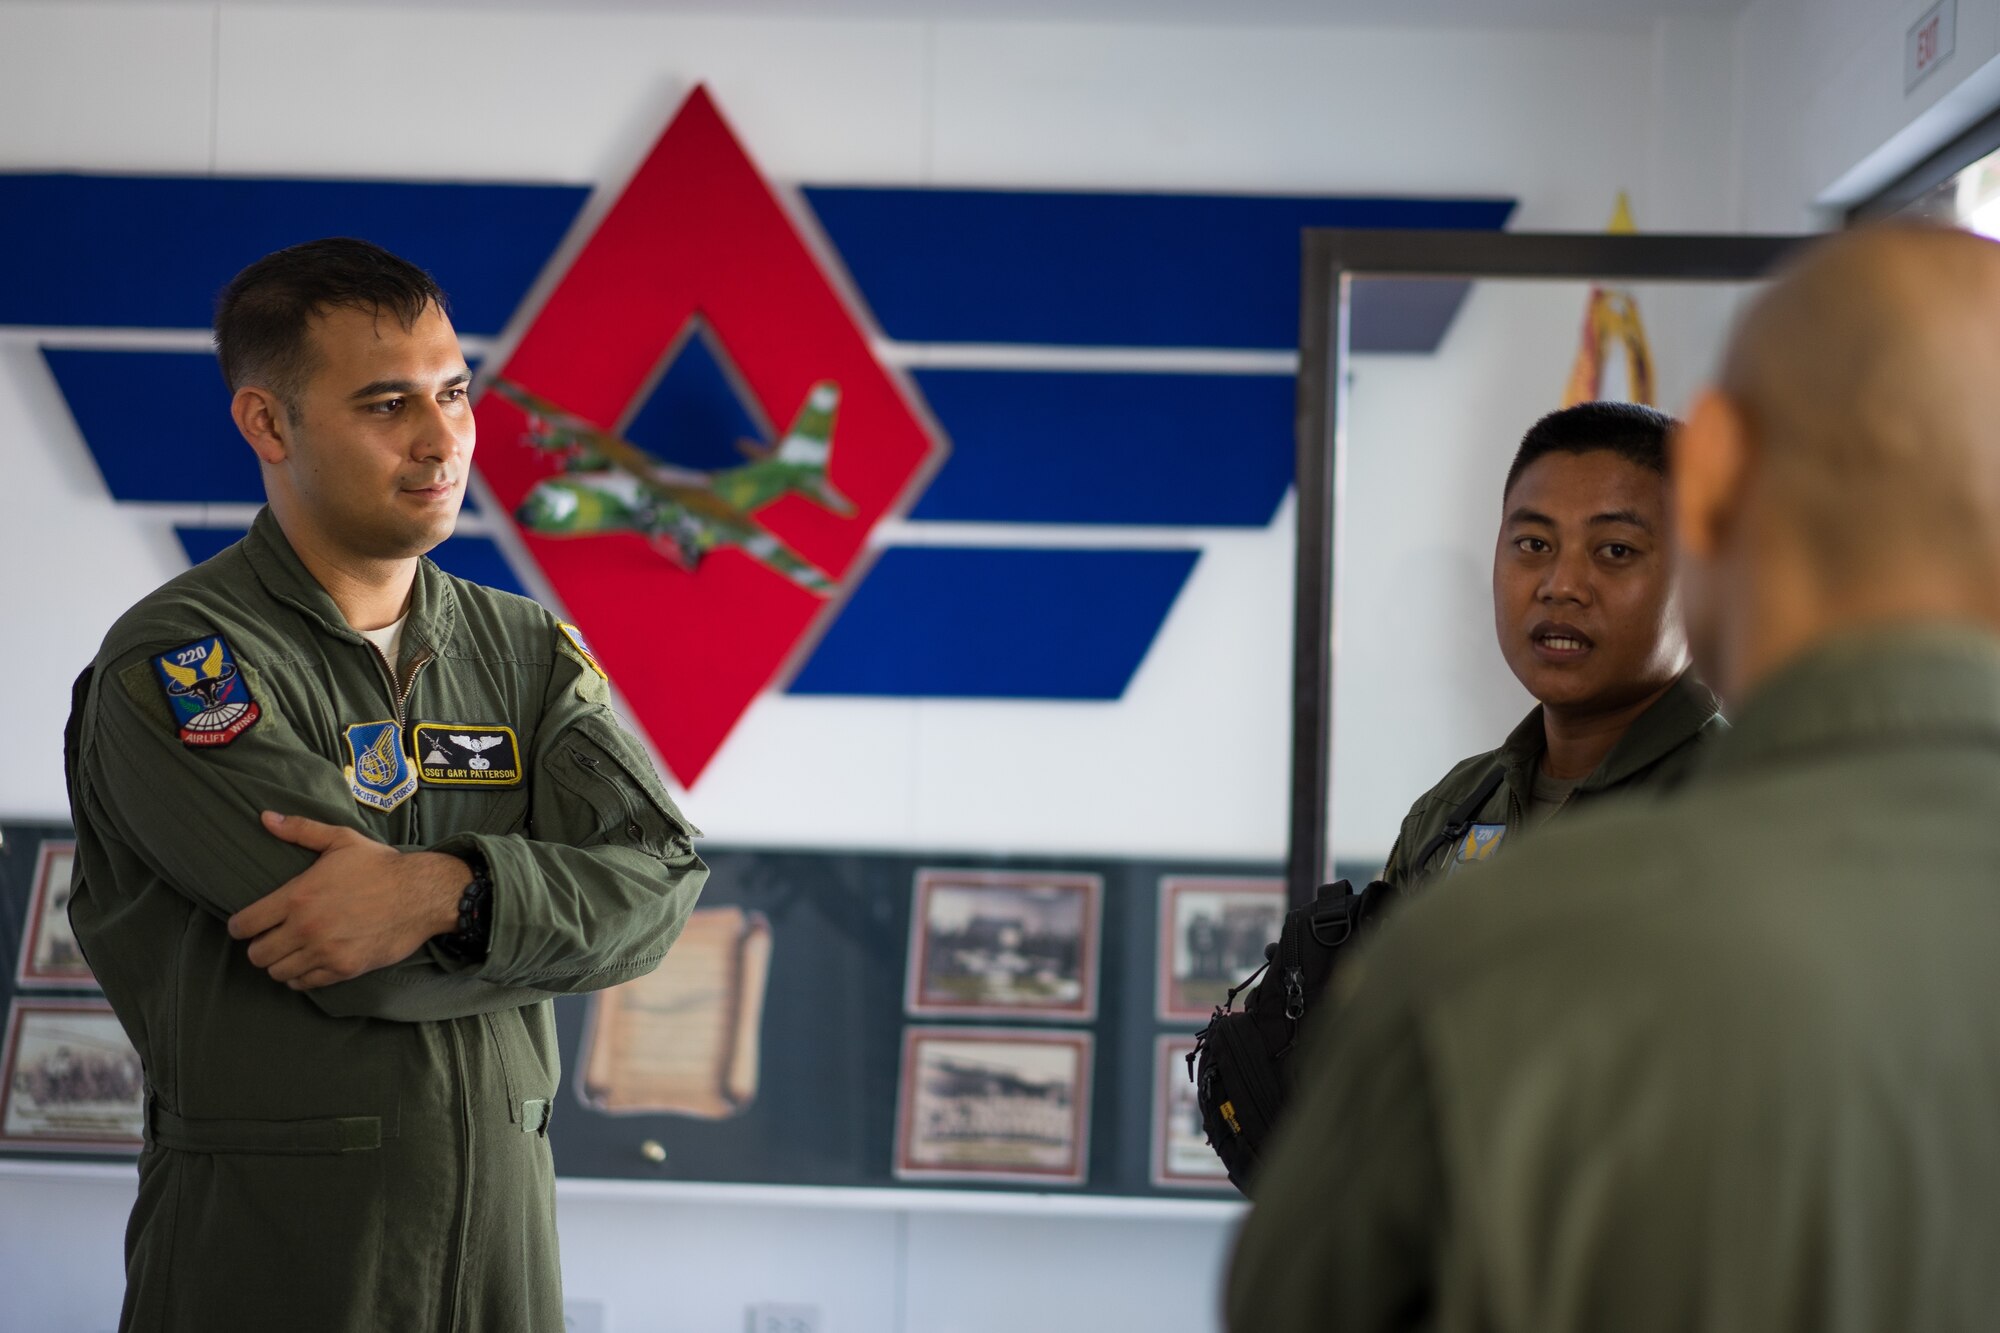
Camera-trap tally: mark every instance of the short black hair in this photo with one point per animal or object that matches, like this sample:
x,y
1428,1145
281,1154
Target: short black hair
x,y
262,317
1635,433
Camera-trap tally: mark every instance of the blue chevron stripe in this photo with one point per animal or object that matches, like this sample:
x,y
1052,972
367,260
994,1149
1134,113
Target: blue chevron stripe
x,y
148,252
477,559
1122,270
1088,447
157,423
995,623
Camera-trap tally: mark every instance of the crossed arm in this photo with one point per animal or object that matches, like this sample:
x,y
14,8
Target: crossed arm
x,y
263,835
361,905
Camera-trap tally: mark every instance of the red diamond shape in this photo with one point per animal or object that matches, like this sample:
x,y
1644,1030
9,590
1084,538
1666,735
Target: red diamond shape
x,y
697,231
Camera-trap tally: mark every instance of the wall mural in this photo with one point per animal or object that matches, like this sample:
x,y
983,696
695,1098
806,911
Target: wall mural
x,y
695,438
700,315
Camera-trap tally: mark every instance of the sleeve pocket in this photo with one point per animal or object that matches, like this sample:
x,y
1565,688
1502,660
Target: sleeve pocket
x,y
628,802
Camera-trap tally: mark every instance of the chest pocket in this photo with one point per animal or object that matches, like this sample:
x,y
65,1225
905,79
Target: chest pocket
x,y
624,804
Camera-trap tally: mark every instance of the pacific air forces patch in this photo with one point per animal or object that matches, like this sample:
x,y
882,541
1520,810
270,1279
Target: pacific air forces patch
x,y
207,692
1480,842
461,754
378,772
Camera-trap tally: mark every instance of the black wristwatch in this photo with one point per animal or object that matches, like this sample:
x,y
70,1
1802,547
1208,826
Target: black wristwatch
x,y
468,943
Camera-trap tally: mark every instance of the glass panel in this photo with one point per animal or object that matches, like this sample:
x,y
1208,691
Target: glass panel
x,y
1420,682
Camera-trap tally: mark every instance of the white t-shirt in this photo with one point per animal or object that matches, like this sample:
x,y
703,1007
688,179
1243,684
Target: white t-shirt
x,y
389,639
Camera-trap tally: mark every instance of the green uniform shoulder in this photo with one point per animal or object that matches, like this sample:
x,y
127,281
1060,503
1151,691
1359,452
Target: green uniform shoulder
x,y
496,624
519,627
1457,786
1430,812
221,596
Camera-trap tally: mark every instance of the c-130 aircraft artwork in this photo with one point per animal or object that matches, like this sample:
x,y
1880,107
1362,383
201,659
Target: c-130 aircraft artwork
x,y
609,484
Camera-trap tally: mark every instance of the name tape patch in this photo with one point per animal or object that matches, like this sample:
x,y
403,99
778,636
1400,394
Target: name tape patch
x,y
208,693
378,772
459,754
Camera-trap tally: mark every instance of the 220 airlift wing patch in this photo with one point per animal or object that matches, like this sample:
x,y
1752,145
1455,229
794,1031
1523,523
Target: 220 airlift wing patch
x,y
457,754
1480,842
209,696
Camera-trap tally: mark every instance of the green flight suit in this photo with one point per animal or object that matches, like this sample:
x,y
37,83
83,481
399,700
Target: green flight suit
x,y
1729,1060
1655,752
371,1155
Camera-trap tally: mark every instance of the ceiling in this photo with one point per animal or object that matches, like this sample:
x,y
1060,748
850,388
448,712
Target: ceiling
x,y
1460,13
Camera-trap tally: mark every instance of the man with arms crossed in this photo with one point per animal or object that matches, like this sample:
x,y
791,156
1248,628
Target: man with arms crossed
x,y
344,824
1728,1060
1584,606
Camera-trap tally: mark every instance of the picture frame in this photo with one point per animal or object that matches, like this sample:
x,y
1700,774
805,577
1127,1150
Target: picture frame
x,y
1014,944
70,1080
1213,930
994,1104
50,957
1182,1158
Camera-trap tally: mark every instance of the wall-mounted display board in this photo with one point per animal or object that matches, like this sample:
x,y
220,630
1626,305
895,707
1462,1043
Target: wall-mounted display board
x,y
828,1019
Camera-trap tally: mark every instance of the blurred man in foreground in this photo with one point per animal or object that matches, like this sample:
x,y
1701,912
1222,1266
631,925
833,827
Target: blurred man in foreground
x,y
1729,1061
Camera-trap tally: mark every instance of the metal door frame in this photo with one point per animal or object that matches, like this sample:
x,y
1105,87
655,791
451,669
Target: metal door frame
x,y
1333,260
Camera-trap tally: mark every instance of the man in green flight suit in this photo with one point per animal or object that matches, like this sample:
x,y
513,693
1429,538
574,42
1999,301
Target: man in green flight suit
x,y
1585,611
344,825
1731,1059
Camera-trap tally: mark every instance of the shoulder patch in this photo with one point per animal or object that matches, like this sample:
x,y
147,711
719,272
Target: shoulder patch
x,y
466,754
575,637
377,771
208,694
1480,842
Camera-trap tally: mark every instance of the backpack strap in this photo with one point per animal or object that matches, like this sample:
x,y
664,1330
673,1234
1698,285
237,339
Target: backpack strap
x,y
1461,818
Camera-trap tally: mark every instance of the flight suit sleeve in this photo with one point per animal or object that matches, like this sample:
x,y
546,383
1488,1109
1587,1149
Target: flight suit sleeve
x,y
192,816
599,888
1347,1226
1397,869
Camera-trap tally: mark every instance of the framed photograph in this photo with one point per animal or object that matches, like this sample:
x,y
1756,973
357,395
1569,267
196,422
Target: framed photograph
x,y
1182,1158
994,1104
1004,944
50,958
1212,936
70,1080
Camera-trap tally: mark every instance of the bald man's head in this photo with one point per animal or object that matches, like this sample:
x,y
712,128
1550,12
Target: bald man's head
x,y
1848,466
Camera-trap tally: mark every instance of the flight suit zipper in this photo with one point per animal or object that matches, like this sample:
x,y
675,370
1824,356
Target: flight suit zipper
x,y
399,696
455,1263
399,699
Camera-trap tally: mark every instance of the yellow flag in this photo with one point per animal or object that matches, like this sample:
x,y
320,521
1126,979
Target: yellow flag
x,y
1610,315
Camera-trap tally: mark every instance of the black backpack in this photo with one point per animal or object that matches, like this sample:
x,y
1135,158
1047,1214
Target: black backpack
x,y
1241,1063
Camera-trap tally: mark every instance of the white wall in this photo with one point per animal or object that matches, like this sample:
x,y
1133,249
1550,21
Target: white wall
x,y
1827,121
683,1259
1560,119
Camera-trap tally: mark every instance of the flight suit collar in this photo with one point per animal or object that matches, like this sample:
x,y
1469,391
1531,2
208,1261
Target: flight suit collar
x,y
1674,719
433,613
1939,680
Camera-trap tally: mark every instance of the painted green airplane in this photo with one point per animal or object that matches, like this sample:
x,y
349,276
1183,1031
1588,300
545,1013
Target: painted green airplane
x,y
609,484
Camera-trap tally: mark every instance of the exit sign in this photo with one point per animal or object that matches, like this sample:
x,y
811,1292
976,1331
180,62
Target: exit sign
x,y
1929,43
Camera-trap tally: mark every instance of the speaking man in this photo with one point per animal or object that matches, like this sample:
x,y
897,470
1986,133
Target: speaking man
x,y
1729,1060
1587,618
344,824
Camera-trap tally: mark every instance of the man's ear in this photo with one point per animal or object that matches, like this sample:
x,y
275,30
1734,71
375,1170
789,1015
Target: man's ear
x,y
261,418
1710,460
